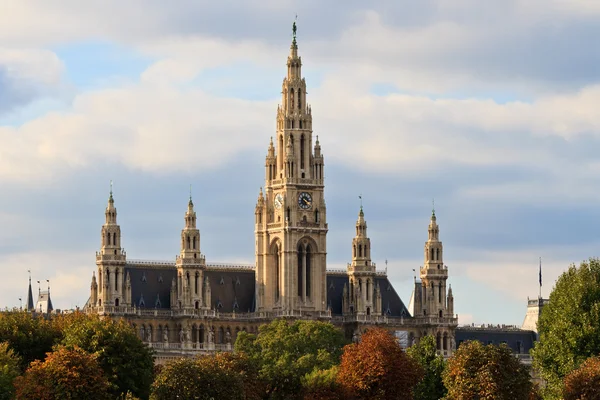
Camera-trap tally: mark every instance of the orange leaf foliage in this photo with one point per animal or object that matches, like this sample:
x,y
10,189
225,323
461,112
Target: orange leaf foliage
x,y
377,368
584,382
65,374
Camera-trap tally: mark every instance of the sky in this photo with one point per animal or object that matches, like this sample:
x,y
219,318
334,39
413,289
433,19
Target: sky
x,y
490,108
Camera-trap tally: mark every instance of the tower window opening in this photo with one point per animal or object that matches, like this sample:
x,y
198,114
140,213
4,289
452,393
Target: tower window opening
x,y
437,254
292,101
302,151
300,123
188,243
432,254
116,302
108,238
317,216
292,124
360,250
368,289
115,238
301,268
440,313
308,271
117,279
300,103
194,242
440,293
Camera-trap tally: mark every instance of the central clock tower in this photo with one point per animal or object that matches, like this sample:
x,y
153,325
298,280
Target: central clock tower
x,y
291,225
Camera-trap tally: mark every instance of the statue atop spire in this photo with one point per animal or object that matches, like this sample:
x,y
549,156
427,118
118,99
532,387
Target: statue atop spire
x,y
110,196
294,30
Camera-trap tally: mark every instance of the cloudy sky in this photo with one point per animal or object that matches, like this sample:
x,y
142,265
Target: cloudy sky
x,y
489,107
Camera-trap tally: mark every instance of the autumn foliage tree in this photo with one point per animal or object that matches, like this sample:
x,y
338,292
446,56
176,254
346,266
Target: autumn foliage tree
x,y
126,360
9,370
203,378
69,374
476,371
29,335
584,382
377,368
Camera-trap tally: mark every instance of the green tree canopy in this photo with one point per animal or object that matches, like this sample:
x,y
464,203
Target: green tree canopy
x,y
126,361
204,378
476,371
321,384
66,374
286,352
431,387
584,382
9,369
569,326
378,368
31,336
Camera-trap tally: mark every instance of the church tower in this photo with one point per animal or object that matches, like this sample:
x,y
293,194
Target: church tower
x,y
434,274
290,217
112,289
363,297
433,304
190,264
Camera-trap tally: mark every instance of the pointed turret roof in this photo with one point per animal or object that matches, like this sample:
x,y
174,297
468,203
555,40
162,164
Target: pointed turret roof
x,y
30,305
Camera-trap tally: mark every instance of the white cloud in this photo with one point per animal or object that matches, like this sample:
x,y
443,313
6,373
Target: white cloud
x,y
69,274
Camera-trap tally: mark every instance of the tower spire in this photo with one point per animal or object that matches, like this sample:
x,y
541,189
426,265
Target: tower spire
x,y
30,305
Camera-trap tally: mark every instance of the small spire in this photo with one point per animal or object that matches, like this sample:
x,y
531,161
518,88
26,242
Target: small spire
x,y
433,207
110,197
190,202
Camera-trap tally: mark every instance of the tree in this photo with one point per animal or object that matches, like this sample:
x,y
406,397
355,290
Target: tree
x,y
476,371
29,335
127,362
285,352
247,370
584,382
431,387
569,326
322,385
377,368
9,370
203,378
69,374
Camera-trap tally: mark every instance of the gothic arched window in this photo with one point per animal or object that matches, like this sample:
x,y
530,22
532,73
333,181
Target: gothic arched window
x,y
300,102
292,101
302,152
308,270
115,238
301,267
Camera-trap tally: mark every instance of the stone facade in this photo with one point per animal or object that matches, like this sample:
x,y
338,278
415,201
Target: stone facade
x,y
189,306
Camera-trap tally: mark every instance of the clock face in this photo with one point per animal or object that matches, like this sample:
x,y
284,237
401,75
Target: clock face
x,y
278,201
305,201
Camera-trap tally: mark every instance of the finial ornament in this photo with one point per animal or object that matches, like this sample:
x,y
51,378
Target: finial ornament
x,y
433,207
294,30
360,198
190,192
110,197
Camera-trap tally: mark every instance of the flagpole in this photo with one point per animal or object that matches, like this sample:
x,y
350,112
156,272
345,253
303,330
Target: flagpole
x,y
540,277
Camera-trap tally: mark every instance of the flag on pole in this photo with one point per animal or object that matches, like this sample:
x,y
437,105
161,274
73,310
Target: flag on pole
x,y
540,272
